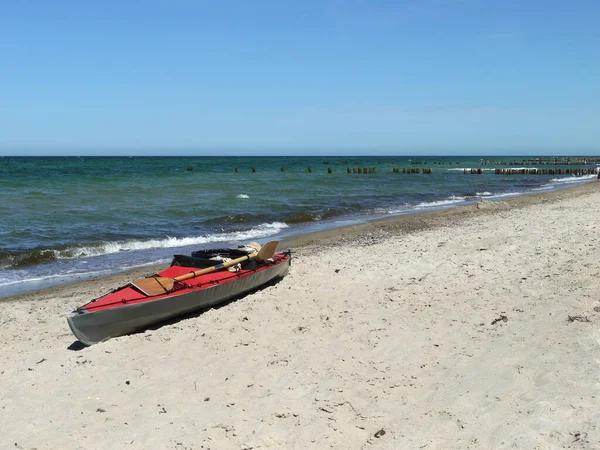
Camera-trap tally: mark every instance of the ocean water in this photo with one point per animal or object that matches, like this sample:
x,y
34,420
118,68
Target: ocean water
x,y
67,218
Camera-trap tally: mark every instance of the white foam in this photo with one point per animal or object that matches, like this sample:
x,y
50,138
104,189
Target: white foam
x,y
424,205
437,204
396,210
48,277
242,196
483,194
573,179
74,273
260,231
506,194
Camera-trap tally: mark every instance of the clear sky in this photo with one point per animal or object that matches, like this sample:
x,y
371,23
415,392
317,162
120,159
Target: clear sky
x,y
300,77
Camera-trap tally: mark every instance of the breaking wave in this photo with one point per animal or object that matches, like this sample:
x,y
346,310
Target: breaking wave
x,y
440,203
506,194
573,179
40,256
478,194
407,207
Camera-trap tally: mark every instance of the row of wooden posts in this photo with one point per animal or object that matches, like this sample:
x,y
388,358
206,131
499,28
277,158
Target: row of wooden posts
x,y
362,170
409,170
547,171
545,162
412,170
537,171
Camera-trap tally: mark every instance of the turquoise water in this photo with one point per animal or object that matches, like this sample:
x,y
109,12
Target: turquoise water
x,y
63,218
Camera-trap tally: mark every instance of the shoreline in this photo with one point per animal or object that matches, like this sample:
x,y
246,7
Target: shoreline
x,y
76,245
468,328
45,265
375,229
408,223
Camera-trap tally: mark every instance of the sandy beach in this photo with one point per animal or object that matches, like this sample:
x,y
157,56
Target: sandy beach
x,y
469,328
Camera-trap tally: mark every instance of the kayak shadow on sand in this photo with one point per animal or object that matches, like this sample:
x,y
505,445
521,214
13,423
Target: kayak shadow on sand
x,y
78,346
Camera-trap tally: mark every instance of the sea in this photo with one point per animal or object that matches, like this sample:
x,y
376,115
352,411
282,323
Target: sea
x,y
69,218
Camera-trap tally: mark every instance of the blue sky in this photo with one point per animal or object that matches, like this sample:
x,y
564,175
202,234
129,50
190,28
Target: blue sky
x,y
300,77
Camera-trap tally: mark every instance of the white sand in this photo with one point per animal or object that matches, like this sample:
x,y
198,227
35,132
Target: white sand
x,y
384,330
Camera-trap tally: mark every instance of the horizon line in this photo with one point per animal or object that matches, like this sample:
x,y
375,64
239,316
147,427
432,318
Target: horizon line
x,y
324,155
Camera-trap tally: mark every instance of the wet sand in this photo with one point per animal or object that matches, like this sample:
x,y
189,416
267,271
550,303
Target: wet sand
x,y
474,327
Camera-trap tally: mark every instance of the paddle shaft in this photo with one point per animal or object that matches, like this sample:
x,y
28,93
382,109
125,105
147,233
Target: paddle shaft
x,y
233,262
157,285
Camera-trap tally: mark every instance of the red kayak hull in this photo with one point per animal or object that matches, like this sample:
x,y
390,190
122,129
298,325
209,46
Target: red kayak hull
x,y
127,310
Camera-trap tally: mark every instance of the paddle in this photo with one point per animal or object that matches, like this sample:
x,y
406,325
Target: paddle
x,y
154,286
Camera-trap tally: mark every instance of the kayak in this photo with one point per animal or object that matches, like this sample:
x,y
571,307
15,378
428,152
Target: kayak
x,y
129,309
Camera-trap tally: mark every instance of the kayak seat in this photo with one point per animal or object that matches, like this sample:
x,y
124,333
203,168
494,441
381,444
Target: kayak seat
x,y
207,258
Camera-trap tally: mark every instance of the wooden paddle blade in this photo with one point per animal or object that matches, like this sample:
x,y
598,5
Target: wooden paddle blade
x,y
154,286
267,251
254,245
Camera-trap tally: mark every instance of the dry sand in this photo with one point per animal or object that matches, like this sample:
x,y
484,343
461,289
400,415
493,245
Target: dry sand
x,y
475,327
